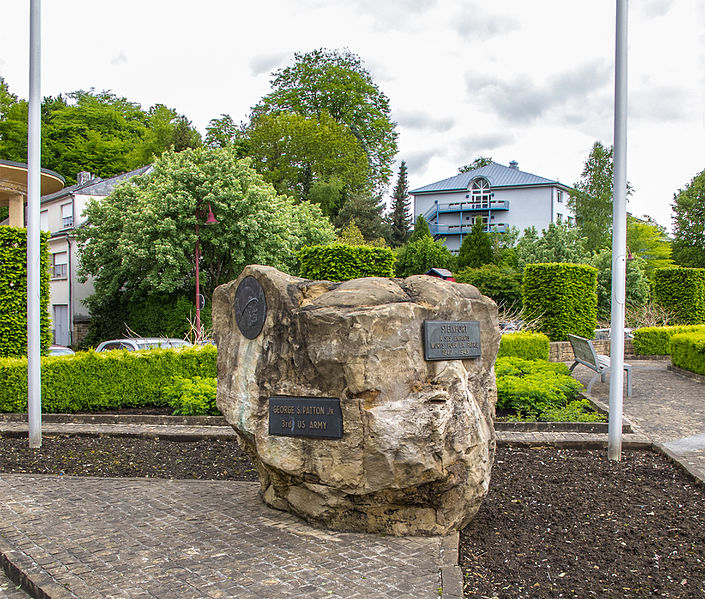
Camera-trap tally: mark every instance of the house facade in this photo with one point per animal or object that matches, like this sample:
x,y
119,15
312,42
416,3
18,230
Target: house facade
x,y
61,213
502,196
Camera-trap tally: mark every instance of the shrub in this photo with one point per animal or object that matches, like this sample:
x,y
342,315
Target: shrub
x,y
193,397
656,341
682,291
636,288
338,262
503,285
90,381
416,257
563,297
579,410
13,292
529,346
531,387
688,351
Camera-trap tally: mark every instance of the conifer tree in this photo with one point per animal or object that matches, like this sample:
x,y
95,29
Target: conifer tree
x,y
400,220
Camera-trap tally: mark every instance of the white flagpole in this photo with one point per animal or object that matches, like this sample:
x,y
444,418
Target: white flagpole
x,y
619,236
34,385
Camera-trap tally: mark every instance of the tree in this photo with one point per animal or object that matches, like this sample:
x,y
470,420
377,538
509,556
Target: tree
x,y
223,132
417,257
421,229
400,220
648,240
336,82
293,152
689,224
557,244
365,210
502,284
637,285
592,199
479,162
166,129
140,240
476,249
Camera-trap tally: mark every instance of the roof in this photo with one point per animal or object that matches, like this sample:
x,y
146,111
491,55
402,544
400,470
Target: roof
x,y
498,175
97,186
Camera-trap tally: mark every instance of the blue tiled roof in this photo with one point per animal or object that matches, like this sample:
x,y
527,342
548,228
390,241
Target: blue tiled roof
x,y
498,175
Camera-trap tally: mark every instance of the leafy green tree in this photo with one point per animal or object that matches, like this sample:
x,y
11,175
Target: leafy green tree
x,y
421,229
416,257
336,82
689,224
559,243
13,125
328,195
166,129
502,284
479,162
140,240
592,199
648,240
222,132
477,248
400,220
637,284
293,152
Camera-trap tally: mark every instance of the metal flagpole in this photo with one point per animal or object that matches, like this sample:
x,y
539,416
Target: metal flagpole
x,y
34,386
619,236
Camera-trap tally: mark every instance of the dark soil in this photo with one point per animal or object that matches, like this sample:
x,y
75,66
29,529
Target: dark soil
x,y
556,523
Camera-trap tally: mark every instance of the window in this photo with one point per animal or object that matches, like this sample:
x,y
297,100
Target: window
x,y
44,220
570,221
59,265
67,216
480,191
559,218
559,196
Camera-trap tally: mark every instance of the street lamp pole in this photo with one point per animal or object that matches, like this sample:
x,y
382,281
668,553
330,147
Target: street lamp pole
x,y
210,220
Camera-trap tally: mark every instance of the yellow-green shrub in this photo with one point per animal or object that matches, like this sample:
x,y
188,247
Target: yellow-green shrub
x,y
527,345
688,351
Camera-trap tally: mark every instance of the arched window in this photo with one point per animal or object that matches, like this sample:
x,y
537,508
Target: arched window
x,y
480,191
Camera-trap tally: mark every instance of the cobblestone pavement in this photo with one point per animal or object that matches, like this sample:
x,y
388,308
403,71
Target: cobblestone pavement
x,y
129,538
665,406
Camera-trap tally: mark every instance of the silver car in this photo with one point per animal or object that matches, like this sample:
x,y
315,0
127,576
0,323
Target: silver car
x,y
141,343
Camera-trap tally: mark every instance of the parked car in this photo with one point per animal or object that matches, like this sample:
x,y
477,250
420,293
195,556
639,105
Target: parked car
x,y
60,350
141,343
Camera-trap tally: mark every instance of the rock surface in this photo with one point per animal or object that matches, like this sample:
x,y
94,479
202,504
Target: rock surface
x,y
418,442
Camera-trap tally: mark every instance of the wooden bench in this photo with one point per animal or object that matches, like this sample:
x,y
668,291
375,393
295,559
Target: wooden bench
x,y
586,355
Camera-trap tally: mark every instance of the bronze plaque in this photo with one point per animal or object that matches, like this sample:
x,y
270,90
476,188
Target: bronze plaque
x,y
250,307
451,340
318,417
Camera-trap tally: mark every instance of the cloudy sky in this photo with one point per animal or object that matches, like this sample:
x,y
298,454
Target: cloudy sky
x,y
515,80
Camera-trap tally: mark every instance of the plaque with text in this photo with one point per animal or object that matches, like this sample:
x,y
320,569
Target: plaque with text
x,y
250,307
317,417
451,340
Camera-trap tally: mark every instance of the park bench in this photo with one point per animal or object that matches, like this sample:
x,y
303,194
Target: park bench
x,y
586,355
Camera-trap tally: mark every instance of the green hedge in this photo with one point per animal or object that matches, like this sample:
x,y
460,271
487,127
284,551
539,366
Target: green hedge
x,y
502,284
682,292
656,341
533,387
563,297
90,381
338,262
13,292
688,351
529,346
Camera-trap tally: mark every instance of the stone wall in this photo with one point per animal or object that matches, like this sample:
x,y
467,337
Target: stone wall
x,y
561,351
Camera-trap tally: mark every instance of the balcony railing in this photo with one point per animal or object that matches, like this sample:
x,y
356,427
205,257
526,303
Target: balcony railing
x,y
468,206
443,230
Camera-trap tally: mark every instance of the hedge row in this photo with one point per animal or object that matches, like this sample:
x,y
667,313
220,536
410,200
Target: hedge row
x,y
338,262
656,341
563,297
688,351
13,292
90,381
681,291
529,346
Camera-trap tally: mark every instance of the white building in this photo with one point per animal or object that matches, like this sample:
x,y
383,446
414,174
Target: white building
x,y
61,213
503,197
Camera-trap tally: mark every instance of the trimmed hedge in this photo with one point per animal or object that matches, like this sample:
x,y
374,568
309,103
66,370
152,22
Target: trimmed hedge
x,y
529,346
90,381
656,341
193,397
681,291
338,262
533,387
13,292
688,351
563,297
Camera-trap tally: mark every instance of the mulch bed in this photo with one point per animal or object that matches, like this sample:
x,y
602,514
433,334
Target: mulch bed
x,y
556,523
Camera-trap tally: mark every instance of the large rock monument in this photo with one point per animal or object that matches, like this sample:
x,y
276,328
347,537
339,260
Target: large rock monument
x,y
366,405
